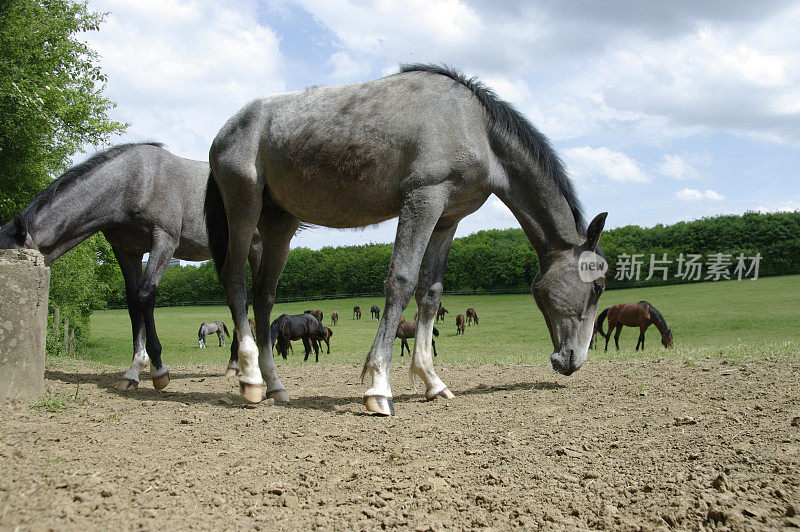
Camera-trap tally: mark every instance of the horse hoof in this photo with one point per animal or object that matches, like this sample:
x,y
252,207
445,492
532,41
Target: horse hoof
x,y
159,383
231,372
127,384
444,394
280,396
253,393
379,405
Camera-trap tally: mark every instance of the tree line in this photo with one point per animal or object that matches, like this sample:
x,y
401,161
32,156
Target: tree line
x,y
503,260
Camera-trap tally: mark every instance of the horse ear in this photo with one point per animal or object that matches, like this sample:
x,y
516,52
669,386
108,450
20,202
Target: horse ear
x,y
594,231
20,229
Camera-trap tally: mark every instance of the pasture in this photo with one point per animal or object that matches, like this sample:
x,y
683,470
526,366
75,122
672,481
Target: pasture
x,y
706,435
709,317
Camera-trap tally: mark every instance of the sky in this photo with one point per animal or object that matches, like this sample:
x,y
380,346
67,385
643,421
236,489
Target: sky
x,y
661,111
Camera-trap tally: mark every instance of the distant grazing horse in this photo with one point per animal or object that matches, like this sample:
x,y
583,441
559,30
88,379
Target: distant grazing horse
x,y
335,317
641,315
375,312
429,145
316,313
289,327
440,312
324,337
471,315
356,313
212,327
144,200
460,321
408,329
252,323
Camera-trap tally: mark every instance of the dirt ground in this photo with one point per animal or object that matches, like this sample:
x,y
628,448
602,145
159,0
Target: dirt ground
x,y
645,444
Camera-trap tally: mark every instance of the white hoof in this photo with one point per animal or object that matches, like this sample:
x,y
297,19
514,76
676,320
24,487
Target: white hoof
x,y
253,393
444,394
379,405
159,383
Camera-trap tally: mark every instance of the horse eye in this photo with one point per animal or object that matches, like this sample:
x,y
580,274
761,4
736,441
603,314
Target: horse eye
x,y
598,288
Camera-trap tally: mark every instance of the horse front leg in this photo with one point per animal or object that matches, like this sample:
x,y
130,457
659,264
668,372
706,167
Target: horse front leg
x,y
418,216
276,233
428,296
163,247
131,266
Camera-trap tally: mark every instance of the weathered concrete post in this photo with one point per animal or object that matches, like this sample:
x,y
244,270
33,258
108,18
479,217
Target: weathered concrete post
x,y
24,290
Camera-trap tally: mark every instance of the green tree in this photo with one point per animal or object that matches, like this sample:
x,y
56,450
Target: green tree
x,y
51,102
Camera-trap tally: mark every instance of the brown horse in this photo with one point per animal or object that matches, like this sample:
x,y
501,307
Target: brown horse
x,y
460,321
440,314
408,329
356,313
324,336
472,315
316,313
252,324
641,314
335,317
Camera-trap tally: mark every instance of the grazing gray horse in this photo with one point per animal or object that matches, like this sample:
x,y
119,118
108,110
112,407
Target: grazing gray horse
x,y
143,199
212,327
427,145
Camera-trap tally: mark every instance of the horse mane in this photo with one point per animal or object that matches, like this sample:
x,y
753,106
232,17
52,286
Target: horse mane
x,y
73,174
506,117
657,317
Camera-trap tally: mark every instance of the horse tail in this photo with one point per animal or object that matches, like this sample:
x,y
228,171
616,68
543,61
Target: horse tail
x,y
216,223
600,319
200,331
224,328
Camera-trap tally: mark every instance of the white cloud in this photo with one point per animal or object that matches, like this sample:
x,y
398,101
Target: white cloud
x,y
587,164
179,68
678,167
690,194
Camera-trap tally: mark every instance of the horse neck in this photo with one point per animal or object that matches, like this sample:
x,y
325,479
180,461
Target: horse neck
x,y
659,321
535,200
71,217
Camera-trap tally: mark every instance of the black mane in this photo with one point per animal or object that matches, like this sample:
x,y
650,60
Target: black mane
x,y
506,117
657,317
73,174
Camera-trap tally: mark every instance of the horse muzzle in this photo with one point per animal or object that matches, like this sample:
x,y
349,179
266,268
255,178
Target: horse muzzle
x,y
566,361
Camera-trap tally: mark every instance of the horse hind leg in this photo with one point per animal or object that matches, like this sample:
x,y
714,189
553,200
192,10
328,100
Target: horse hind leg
x,y
428,295
276,231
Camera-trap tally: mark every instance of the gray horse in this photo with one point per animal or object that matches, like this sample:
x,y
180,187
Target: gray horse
x,y
212,327
143,199
427,145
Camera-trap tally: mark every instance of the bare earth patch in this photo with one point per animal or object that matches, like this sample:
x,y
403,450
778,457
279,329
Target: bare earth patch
x,y
639,444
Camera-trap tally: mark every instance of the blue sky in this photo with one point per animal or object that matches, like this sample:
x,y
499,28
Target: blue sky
x,y
661,111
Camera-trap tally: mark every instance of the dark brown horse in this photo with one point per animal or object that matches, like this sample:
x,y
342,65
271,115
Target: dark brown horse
x,y
335,317
641,314
440,314
356,313
460,321
472,315
408,329
375,312
316,313
324,336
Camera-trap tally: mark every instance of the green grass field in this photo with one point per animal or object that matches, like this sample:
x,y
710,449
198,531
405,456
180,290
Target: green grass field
x,y
728,318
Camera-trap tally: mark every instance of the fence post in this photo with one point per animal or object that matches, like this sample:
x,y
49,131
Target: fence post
x,y
24,291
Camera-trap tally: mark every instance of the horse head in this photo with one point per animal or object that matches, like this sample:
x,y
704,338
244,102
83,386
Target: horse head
x,y
666,339
568,301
